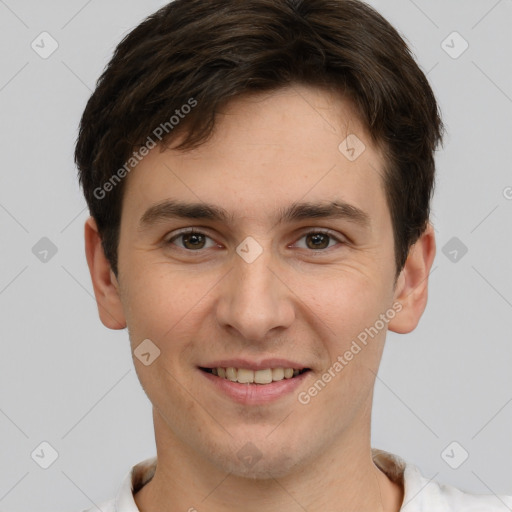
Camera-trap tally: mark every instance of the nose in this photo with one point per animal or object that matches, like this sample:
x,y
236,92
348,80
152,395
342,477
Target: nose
x,y
255,299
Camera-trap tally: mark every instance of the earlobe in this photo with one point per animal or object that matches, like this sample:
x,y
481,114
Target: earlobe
x,y
106,288
411,289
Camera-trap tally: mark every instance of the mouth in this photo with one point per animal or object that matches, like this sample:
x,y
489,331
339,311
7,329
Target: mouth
x,y
258,377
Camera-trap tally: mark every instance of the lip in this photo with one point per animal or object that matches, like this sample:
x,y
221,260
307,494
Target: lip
x,y
254,394
255,365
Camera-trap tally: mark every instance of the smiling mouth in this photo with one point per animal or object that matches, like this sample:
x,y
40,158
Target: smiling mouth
x,y
246,376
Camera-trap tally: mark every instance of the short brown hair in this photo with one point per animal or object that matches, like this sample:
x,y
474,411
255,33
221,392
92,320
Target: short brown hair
x,y
205,53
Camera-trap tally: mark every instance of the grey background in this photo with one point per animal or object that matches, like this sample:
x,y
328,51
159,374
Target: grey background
x,y
67,380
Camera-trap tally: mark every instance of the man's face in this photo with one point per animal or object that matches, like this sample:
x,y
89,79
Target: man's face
x,y
300,289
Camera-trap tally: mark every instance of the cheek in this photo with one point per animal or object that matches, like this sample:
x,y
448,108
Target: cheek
x,y
348,310
345,302
158,299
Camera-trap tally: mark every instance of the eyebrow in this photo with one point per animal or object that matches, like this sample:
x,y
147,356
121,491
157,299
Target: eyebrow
x,y
173,209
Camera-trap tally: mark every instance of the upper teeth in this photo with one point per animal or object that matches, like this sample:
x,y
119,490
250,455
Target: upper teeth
x,y
246,376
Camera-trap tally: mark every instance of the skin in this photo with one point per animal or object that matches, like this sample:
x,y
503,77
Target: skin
x,y
294,301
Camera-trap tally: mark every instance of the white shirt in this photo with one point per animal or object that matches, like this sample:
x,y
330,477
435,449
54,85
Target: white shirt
x,y
420,494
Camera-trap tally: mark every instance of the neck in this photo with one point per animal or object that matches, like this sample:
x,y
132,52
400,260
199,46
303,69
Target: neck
x,y
343,479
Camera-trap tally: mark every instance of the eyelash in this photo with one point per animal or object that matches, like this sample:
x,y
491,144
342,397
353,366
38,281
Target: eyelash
x,y
192,231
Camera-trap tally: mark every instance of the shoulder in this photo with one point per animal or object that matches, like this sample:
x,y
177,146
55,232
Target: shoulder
x,y
135,479
425,495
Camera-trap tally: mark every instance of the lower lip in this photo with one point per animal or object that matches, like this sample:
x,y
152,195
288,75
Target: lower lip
x,y
255,394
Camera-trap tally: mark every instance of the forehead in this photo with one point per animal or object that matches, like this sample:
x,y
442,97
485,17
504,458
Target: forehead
x,y
267,151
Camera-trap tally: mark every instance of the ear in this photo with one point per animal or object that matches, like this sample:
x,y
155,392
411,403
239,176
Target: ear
x,y
411,289
106,287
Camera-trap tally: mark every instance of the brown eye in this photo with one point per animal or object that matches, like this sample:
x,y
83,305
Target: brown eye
x,y
191,240
194,241
318,240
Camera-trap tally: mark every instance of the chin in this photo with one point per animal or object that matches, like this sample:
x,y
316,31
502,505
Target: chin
x,y
265,464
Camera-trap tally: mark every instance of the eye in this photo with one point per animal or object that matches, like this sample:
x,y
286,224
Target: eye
x,y
192,240
316,240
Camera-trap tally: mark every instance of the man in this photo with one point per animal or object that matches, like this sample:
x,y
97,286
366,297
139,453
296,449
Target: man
x,y
259,177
